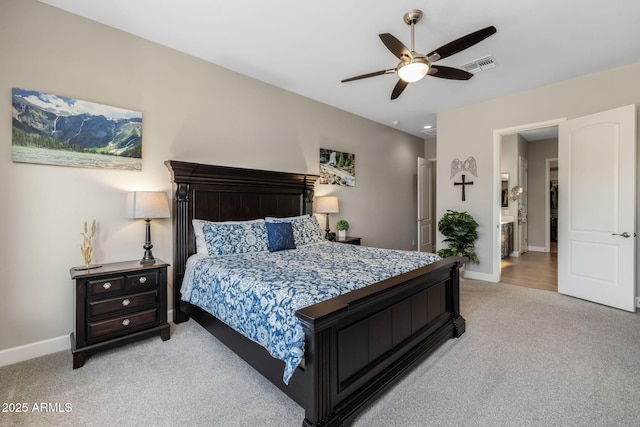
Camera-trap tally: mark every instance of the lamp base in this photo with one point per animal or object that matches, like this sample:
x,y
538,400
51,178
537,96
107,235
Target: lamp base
x,y
148,256
328,235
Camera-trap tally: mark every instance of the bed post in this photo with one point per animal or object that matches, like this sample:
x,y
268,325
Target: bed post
x,y
457,320
309,183
180,245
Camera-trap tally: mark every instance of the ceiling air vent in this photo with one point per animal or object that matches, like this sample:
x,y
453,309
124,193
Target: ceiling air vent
x,y
478,65
431,133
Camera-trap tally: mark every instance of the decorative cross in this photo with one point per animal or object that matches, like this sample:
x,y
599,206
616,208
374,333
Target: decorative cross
x,y
463,184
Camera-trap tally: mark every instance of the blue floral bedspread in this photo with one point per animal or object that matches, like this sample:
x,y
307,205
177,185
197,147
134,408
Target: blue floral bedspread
x,y
258,293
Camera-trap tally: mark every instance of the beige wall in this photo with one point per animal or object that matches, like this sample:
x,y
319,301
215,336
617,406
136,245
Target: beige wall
x,y
577,97
192,111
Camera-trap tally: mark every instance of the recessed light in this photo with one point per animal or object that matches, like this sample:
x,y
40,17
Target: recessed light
x,y
427,126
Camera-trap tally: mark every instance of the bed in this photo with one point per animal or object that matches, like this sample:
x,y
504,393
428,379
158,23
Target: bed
x,y
355,344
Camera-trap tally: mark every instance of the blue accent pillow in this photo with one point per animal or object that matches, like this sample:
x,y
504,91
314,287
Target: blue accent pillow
x,y
280,236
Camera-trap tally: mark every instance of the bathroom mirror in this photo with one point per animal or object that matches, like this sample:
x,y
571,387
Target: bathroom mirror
x,y
504,199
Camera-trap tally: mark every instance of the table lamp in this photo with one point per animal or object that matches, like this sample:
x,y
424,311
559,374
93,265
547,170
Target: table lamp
x,y
327,205
147,205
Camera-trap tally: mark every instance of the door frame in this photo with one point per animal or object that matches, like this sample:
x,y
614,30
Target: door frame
x,y
497,185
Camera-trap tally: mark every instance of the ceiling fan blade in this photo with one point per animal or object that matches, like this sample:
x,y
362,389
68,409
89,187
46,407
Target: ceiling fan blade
x,y
399,87
462,43
396,47
364,76
449,73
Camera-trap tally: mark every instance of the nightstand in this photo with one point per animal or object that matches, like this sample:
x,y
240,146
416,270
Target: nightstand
x,y
350,240
116,304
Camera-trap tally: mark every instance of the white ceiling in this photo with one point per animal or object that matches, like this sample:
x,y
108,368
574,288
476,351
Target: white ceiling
x,y
307,47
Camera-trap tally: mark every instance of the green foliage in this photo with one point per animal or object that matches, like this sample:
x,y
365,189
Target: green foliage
x,y
460,230
342,225
135,152
24,138
30,139
344,160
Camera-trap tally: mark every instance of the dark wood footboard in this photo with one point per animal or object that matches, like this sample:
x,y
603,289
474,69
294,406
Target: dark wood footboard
x,y
359,343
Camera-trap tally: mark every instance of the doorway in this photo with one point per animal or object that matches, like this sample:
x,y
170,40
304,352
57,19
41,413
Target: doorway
x,y
596,220
532,262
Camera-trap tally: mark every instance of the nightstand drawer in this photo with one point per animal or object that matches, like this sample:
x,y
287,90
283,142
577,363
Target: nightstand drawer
x,y
105,285
128,302
122,324
144,279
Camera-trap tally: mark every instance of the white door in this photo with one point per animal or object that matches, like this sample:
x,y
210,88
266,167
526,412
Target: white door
x,y
597,205
425,216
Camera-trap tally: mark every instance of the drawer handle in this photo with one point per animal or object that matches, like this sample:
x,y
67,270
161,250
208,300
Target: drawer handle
x,y
126,302
106,285
143,280
125,322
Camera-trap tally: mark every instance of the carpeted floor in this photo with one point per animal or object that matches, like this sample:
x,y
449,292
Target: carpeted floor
x,y
528,358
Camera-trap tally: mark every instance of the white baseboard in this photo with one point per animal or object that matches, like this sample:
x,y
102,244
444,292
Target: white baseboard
x,y
33,350
537,248
478,276
42,348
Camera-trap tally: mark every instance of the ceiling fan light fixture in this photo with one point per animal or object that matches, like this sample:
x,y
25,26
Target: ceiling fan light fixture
x,y
413,71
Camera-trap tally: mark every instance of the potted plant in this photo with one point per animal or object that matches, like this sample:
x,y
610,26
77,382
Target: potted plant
x,y
342,227
460,230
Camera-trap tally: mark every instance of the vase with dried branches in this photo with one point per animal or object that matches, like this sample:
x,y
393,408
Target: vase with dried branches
x,y
87,246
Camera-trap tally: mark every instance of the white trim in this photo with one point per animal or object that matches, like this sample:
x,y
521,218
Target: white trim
x,y
477,276
537,249
42,348
33,350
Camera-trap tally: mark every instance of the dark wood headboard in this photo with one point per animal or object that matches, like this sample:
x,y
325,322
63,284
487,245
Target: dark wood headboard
x,y
222,193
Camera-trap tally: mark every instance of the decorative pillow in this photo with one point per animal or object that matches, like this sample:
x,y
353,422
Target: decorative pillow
x,y
280,236
306,228
230,237
201,245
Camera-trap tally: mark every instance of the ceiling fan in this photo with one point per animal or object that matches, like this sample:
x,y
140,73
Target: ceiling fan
x,y
414,66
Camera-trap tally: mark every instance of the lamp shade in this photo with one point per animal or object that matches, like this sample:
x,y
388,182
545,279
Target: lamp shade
x,y
327,204
147,204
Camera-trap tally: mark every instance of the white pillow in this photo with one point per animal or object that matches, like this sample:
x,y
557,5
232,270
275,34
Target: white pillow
x,y
306,229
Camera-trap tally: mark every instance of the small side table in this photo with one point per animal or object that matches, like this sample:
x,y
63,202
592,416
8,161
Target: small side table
x,y
116,304
351,240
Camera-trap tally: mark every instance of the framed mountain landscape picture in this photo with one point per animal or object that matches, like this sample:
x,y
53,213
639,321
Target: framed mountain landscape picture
x,y
56,130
